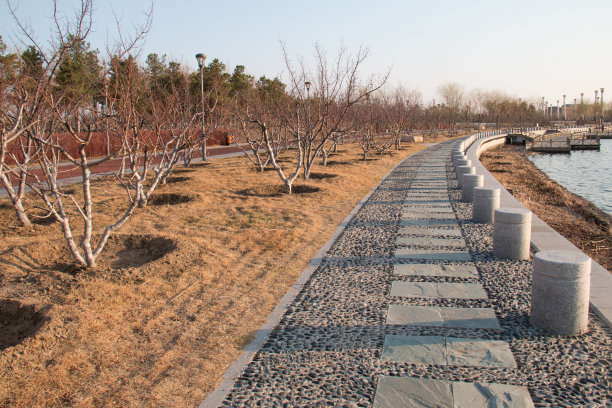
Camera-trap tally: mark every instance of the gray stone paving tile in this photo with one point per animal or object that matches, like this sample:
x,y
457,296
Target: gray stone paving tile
x,y
414,349
428,195
446,290
429,215
440,208
461,290
428,201
430,223
459,271
480,318
432,254
429,241
471,395
447,351
395,392
479,353
415,315
415,230
414,289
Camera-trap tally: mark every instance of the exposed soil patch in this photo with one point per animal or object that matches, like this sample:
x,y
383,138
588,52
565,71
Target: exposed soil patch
x,y
18,322
577,219
169,199
304,189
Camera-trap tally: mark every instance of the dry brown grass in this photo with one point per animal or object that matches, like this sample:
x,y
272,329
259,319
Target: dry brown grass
x,y
179,292
577,219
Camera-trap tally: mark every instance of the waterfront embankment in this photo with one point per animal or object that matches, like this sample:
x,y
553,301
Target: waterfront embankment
x,y
577,219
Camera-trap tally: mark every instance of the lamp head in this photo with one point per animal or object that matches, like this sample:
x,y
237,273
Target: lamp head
x,y
201,59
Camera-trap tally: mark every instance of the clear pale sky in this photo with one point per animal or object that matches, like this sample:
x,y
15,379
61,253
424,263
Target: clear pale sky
x,y
527,49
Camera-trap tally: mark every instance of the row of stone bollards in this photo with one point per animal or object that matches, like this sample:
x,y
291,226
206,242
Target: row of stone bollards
x,y
561,279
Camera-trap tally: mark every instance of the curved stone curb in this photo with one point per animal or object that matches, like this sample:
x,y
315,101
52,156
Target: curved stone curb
x,y
543,237
248,353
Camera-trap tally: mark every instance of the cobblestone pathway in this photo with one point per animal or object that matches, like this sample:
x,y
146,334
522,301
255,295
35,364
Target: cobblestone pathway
x,y
410,308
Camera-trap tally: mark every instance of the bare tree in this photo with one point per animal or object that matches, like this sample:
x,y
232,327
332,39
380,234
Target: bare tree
x,y
74,112
452,94
260,118
20,115
323,98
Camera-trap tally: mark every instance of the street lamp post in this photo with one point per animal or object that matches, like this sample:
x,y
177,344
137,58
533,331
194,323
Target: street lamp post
x,y
602,107
564,109
582,107
575,110
595,106
557,109
521,113
469,112
201,59
307,85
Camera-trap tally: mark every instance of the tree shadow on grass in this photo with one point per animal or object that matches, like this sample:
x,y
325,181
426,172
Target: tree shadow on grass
x,y
172,180
322,176
19,321
199,164
169,199
339,162
276,191
137,250
183,171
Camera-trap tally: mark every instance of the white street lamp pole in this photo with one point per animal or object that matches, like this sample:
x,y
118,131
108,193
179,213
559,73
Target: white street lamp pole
x,y
602,107
201,60
564,109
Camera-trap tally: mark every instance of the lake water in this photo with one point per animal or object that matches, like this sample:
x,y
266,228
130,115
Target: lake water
x,y
587,173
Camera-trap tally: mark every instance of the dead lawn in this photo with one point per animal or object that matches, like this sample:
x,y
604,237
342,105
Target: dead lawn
x,y
180,290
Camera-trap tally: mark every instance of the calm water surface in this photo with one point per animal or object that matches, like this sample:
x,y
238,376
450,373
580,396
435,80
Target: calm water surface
x,y
587,173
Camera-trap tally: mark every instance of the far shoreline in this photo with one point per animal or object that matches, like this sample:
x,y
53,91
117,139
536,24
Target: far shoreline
x,y
531,155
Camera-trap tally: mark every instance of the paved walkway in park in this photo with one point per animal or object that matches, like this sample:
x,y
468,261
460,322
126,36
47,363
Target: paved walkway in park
x,y
409,308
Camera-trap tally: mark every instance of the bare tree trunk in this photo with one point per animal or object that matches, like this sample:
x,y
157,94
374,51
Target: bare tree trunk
x,y
16,200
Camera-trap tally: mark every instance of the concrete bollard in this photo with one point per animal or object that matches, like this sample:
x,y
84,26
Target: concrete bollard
x,y
512,233
486,201
462,162
468,183
458,156
560,292
461,171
